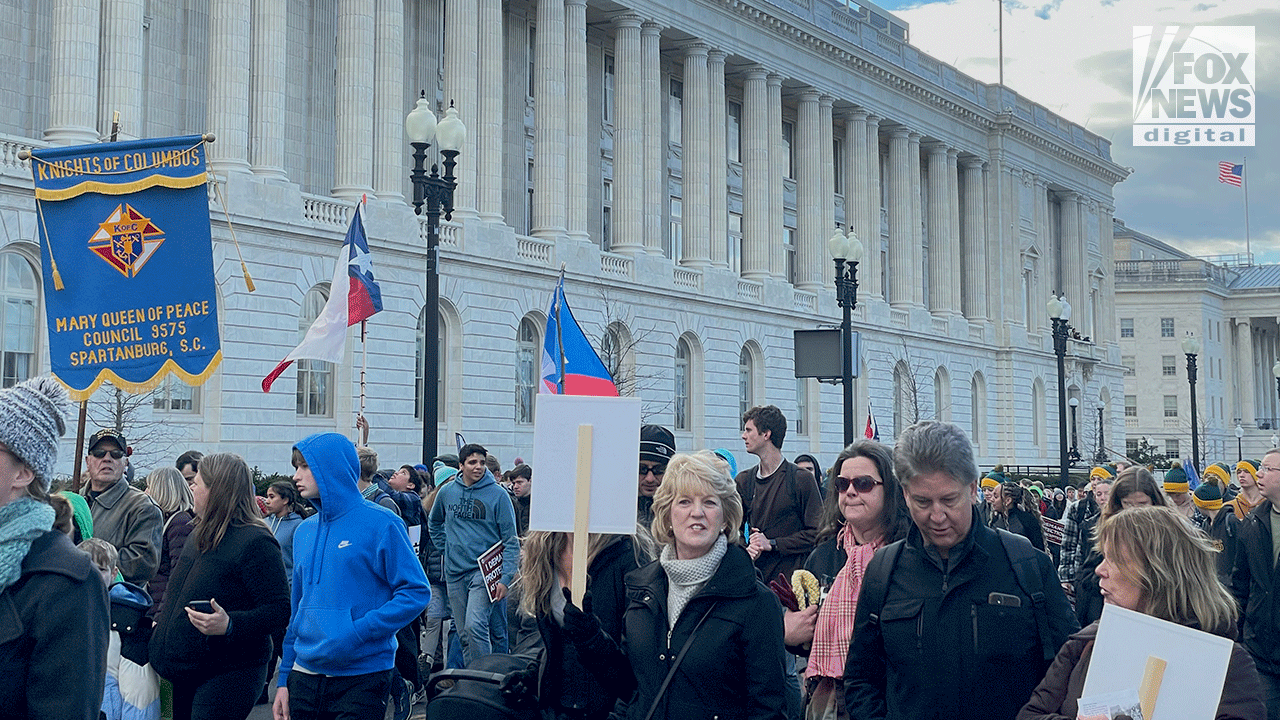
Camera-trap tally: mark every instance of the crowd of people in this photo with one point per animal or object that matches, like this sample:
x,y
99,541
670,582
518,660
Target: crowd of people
x,y
899,582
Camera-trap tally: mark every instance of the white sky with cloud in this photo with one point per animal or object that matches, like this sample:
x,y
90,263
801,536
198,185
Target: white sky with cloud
x,y
1075,58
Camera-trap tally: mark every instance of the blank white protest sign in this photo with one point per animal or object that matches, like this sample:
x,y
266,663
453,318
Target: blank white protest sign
x,y
615,454
1197,663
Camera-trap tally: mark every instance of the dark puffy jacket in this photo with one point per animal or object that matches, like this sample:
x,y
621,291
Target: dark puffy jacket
x,y
1253,582
921,653
245,574
176,530
1057,695
54,631
733,669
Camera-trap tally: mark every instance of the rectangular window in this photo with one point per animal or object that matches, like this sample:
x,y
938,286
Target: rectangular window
x,y
1166,327
789,246
1130,365
1171,449
675,116
1131,406
677,230
1130,447
1169,365
788,134
1171,406
837,163
735,242
607,109
528,208
802,406
733,131
533,52
175,396
1126,327
606,215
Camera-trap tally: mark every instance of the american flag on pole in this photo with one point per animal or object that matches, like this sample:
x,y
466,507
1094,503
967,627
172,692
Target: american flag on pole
x,y
1230,173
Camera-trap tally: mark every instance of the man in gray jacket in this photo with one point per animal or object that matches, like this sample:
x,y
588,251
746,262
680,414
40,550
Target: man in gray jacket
x,y
122,515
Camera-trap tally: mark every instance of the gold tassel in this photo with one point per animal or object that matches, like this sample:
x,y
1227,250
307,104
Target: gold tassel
x,y
57,280
248,279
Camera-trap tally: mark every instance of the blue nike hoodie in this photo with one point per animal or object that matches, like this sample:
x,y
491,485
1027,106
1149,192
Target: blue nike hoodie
x,y
467,520
356,579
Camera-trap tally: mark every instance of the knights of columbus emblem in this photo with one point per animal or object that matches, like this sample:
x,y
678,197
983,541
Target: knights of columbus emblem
x,y
126,240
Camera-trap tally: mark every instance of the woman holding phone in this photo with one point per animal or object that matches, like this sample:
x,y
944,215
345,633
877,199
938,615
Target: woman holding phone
x,y
226,596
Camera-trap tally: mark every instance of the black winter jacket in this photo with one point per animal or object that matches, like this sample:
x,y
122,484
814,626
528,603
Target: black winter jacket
x,y
938,636
54,631
245,574
1253,582
734,667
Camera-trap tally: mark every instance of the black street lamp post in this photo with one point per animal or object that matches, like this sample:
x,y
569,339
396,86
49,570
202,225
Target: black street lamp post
x,y
436,192
1100,457
1191,347
1074,453
1239,443
1060,314
847,251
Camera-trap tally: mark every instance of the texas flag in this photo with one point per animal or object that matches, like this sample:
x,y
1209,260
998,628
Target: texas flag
x,y
584,373
363,298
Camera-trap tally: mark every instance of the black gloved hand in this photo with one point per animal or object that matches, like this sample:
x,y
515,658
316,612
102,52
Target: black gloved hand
x,y
579,625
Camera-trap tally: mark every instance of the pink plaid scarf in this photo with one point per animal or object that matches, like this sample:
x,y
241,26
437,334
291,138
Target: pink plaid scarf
x,y
835,620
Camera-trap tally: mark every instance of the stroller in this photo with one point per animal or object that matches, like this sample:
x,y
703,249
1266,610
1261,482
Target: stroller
x,y
494,687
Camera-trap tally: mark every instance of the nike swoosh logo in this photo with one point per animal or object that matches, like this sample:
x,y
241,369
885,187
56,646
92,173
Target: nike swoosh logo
x,y
344,543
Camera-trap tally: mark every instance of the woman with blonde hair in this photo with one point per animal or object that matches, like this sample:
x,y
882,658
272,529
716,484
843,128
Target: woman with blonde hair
x,y
568,690
170,491
1156,563
700,635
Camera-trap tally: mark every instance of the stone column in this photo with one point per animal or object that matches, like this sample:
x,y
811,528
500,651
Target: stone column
x,y
973,247
655,143
827,198
575,24
1106,326
353,100
953,245
939,229
756,176
900,218
550,124
121,67
390,151
228,99
461,80
628,138
856,209
1245,382
872,270
917,268
73,77
696,157
810,240
1048,253
1073,276
488,112
718,184
778,165
266,119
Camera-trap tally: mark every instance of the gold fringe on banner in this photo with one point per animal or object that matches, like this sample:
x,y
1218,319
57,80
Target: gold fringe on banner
x,y
151,383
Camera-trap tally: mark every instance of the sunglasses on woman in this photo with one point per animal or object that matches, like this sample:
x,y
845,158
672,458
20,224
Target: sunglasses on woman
x,y
861,483
117,454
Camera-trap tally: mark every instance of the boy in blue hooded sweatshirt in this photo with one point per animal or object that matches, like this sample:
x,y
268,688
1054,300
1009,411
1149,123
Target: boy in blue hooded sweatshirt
x,y
470,516
356,581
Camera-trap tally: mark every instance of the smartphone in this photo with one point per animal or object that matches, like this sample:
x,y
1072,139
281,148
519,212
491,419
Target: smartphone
x,y
201,606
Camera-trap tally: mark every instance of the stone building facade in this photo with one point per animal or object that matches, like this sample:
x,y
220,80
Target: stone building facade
x,y
684,162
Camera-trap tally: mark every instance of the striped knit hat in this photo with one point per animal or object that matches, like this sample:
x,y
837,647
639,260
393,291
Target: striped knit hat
x,y
32,419
1220,471
1208,497
1250,465
1105,472
994,479
1175,479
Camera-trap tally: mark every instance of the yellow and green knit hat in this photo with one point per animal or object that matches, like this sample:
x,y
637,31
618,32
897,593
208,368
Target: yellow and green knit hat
x,y
1250,465
1175,479
1220,473
994,479
1207,497
1106,472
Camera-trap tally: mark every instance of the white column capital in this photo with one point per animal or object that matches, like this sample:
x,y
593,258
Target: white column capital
x,y
696,49
716,55
628,20
649,27
755,72
856,114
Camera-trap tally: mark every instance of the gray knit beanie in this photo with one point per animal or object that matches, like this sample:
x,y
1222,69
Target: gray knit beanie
x,y
32,419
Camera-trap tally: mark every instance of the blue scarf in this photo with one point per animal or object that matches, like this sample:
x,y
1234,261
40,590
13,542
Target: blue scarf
x,y
21,522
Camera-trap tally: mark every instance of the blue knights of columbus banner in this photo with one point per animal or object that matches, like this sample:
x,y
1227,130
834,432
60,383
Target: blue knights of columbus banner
x,y
128,263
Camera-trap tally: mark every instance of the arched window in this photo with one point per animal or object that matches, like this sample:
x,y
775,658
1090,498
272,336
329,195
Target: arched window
x,y
315,377
942,395
684,384
526,370
18,297
1037,414
902,398
978,390
746,381
442,360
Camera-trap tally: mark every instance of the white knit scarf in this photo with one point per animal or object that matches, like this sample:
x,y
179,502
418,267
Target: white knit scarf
x,y
686,577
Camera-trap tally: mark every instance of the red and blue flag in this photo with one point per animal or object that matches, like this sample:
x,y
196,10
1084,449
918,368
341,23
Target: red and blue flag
x,y
564,346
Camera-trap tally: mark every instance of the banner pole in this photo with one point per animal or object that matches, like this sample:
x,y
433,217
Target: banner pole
x,y
581,510
364,367
75,472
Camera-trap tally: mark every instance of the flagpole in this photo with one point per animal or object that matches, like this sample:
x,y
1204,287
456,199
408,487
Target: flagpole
x,y
560,327
1244,182
364,367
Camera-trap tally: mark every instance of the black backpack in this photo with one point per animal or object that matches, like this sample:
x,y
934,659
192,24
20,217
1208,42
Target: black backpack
x,y
494,687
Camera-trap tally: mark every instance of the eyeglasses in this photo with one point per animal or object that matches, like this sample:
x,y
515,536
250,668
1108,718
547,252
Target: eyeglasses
x,y
658,472
861,483
117,454
1268,468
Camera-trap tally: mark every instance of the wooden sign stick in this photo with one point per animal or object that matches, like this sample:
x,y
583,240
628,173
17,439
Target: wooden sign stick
x,y
581,509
